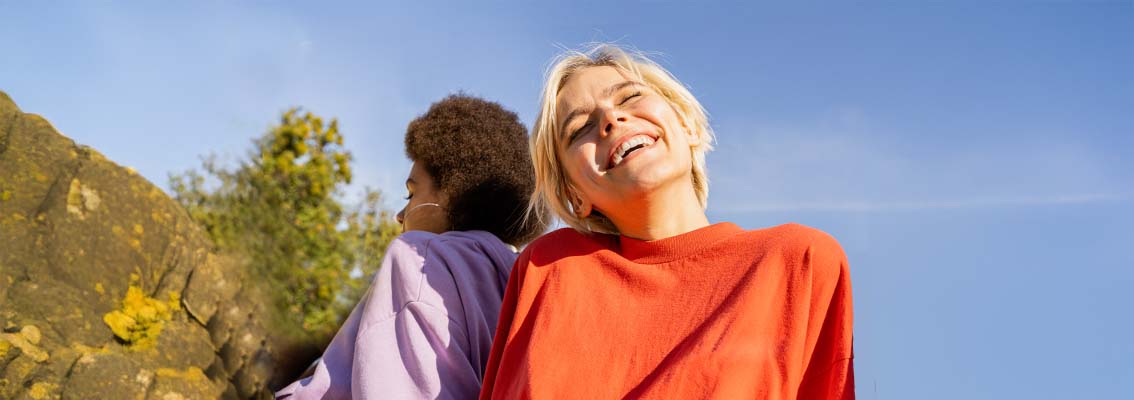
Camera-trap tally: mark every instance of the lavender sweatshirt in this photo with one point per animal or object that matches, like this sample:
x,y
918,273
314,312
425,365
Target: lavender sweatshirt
x,y
424,328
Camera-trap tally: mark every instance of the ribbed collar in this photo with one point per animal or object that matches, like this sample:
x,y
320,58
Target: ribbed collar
x,y
672,248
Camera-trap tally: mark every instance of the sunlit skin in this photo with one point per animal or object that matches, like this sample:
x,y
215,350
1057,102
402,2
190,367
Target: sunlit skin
x,y
650,194
419,214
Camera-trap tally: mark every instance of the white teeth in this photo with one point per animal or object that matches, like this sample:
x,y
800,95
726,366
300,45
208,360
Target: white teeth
x,y
629,144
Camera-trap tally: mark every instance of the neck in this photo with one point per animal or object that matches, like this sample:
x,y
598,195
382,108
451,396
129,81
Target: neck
x,y
661,214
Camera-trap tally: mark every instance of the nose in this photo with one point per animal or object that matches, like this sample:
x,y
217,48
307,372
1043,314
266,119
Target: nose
x,y
611,118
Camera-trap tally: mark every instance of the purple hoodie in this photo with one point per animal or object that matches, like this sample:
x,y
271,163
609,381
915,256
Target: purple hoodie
x,y
424,328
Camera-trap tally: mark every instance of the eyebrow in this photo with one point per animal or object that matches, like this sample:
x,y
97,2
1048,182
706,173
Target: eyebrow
x,y
605,93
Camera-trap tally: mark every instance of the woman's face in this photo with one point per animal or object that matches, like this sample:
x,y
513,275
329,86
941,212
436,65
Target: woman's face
x,y
619,139
426,206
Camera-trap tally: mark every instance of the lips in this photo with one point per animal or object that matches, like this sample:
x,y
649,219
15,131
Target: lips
x,y
627,146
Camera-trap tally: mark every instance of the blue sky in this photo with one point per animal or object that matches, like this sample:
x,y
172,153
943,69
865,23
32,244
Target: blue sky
x,y
975,159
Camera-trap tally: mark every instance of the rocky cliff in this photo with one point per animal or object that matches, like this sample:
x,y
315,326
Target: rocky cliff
x,y
107,288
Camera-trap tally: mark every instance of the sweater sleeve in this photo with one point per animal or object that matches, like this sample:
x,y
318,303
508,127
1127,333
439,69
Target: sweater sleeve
x,y
829,373
331,378
394,345
413,355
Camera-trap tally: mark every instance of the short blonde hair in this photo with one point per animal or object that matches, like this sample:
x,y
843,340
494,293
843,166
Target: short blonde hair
x,y
552,185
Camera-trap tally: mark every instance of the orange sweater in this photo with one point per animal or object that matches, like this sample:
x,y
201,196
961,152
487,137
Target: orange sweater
x,y
715,313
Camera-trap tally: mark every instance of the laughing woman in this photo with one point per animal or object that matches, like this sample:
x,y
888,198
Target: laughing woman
x,y
425,327
642,297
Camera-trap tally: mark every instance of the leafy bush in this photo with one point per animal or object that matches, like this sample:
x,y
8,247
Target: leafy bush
x,y
282,211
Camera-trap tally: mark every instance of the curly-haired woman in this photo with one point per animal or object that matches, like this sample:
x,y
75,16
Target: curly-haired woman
x,y
425,327
644,298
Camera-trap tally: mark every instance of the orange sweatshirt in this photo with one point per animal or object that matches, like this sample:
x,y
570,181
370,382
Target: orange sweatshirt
x,y
719,312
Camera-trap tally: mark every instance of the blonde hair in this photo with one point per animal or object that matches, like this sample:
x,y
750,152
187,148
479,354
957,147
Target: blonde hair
x,y
552,187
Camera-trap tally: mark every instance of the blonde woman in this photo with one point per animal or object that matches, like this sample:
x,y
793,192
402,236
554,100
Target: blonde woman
x,y
642,297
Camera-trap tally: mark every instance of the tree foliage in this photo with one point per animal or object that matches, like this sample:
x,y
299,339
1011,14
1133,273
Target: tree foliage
x,y
282,210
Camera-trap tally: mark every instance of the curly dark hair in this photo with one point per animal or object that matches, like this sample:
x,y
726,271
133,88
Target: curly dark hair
x,y
477,153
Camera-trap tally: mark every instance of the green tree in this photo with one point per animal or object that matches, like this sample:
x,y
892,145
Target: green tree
x,y
282,211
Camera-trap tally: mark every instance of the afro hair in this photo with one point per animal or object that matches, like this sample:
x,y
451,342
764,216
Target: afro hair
x,y
477,154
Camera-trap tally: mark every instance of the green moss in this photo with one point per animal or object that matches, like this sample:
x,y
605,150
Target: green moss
x,y
141,319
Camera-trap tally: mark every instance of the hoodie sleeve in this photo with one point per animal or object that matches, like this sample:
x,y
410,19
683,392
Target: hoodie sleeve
x,y
400,341
413,355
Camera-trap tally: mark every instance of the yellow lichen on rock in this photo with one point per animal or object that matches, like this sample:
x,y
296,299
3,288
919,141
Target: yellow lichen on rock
x,y
189,374
24,342
41,390
84,349
31,333
81,199
144,377
174,300
87,354
141,318
171,383
90,198
75,198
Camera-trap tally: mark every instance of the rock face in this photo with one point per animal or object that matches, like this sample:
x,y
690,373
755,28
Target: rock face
x,y
77,232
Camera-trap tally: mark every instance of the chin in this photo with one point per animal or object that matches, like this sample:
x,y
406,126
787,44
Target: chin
x,y
652,176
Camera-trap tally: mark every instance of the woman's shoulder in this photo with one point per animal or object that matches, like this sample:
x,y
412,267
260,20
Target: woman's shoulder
x,y
565,242
428,267
419,251
797,236
415,250
801,244
422,242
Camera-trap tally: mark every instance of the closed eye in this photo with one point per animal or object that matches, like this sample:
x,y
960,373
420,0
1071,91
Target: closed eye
x,y
578,132
631,96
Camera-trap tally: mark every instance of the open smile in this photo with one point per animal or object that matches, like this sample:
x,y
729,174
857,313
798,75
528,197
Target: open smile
x,y
630,145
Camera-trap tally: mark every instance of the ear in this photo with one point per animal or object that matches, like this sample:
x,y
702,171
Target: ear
x,y
584,209
580,205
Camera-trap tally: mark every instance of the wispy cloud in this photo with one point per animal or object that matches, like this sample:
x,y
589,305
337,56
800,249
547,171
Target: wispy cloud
x,y
842,162
965,203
